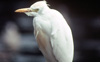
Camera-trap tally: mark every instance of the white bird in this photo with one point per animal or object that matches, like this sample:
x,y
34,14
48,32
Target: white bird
x,y
53,34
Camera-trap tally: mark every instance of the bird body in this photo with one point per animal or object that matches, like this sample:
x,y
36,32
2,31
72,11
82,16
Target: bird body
x,y
52,33
57,35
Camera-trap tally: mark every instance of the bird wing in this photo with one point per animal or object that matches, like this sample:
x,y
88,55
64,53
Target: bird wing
x,y
61,39
62,48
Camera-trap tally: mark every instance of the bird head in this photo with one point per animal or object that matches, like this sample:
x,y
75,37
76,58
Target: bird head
x,y
35,9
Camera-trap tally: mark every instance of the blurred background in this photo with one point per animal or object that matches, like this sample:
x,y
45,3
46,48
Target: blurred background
x,y
17,42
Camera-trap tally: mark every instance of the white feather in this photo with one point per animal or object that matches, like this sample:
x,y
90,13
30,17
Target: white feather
x,y
58,34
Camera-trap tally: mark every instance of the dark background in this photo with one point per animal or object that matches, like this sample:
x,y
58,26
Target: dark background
x,y
82,16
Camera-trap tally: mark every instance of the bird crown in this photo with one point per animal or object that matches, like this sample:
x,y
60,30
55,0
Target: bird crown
x,y
46,2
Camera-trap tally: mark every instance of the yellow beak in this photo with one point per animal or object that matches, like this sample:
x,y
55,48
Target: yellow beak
x,y
22,10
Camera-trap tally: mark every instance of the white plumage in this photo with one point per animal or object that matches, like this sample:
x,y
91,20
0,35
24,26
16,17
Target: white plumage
x,y
52,32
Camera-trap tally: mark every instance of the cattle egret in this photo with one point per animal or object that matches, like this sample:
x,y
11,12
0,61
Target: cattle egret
x,y
51,31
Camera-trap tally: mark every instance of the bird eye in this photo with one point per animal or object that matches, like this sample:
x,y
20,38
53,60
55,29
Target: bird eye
x,y
35,10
